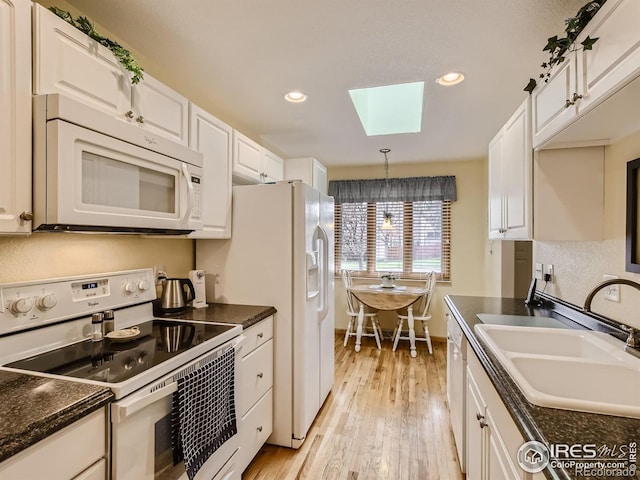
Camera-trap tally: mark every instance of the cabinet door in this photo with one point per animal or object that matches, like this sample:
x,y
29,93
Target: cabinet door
x,y
496,229
67,61
551,112
272,167
498,466
516,174
161,110
476,412
15,115
615,58
247,159
213,138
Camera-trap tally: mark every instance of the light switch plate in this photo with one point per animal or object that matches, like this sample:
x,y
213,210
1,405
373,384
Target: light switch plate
x,y
612,292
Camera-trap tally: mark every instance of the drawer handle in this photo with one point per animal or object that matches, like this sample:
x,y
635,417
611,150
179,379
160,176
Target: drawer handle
x,y
260,335
259,428
260,375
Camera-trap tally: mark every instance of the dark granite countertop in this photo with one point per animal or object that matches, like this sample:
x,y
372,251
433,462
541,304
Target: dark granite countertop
x,y
547,425
32,408
245,315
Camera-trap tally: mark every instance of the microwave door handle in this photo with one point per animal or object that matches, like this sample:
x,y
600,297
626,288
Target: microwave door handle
x,y
187,212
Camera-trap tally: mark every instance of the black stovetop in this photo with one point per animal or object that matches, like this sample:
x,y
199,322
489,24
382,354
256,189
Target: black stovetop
x,y
115,361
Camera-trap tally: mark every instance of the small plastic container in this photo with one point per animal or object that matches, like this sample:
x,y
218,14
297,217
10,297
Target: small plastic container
x,y
96,327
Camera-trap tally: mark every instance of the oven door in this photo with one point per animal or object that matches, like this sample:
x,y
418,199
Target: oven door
x,y
101,183
141,431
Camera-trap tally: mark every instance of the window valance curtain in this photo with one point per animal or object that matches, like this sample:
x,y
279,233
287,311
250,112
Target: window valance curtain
x,y
412,189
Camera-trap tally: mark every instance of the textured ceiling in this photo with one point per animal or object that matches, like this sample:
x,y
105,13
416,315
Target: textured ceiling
x,y
238,58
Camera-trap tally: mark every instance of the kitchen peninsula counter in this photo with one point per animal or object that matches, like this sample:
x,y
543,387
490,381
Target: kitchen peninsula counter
x,y
547,425
32,408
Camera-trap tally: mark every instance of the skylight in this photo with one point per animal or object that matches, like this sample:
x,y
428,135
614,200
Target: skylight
x,y
389,109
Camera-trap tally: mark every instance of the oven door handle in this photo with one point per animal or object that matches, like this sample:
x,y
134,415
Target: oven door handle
x,y
125,408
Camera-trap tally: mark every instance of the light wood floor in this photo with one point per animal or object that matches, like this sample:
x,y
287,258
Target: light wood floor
x,y
386,418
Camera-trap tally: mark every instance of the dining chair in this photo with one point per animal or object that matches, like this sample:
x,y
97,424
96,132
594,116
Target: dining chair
x,y
353,308
420,313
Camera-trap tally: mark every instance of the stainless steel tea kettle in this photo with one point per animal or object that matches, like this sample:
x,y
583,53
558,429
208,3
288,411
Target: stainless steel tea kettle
x,y
174,296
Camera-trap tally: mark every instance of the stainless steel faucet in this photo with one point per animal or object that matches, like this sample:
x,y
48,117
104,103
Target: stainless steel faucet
x,y
633,341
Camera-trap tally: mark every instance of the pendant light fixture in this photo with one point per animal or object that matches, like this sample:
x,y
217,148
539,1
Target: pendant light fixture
x,y
387,223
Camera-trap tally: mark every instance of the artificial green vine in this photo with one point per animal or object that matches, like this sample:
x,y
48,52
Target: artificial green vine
x,y
122,54
559,47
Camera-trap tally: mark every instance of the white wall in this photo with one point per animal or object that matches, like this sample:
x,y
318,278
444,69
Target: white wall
x,y
475,262
581,265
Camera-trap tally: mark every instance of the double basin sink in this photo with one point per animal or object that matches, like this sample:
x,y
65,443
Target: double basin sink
x,y
568,369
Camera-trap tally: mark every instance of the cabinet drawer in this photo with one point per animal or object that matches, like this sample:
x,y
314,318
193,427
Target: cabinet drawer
x,y
95,472
257,374
255,429
62,455
257,335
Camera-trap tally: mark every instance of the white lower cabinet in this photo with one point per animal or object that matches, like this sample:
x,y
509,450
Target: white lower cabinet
x,y
256,403
76,452
493,439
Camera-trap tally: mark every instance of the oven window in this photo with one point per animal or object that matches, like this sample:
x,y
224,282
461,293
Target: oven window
x,y
113,183
163,462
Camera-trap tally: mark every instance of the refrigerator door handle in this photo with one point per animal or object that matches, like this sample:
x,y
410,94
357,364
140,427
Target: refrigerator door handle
x,y
323,306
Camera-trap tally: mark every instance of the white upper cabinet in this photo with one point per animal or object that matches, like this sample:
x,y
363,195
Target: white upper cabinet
x,y
309,170
562,107
15,117
510,155
553,104
213,138
252,163
272,167
67,61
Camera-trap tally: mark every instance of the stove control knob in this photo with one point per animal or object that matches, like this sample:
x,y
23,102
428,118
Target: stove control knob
x,y
46,302
130,287
129,364
21,305
143,359
144,285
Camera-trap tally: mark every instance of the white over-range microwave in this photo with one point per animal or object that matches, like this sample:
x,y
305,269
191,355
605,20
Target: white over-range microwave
x,y
94,173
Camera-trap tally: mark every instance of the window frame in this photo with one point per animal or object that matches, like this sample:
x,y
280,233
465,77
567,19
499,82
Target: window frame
x,y
444,275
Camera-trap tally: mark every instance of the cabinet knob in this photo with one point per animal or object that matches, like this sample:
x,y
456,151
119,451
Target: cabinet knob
x,y
259,428
140,119
576,97
260,335
260,375
567,103
483,423
26,216
129,114
479,416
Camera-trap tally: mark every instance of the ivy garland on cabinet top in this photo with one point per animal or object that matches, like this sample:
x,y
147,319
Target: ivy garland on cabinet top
x,y
559,47
122,54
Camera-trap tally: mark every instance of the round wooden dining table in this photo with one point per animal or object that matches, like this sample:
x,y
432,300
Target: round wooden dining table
x,y
387,298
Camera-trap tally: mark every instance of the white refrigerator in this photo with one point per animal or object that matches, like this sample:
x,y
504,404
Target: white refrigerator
x,y
281,253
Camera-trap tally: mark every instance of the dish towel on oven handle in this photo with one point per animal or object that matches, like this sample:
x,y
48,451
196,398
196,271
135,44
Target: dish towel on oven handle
x,y
204,413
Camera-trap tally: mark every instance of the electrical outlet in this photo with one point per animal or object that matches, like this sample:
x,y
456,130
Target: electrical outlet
x,y
157,271
549,274
539,269
612,292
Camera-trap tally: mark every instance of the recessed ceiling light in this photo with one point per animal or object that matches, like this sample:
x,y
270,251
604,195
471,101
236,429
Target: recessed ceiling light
x,y
451,78
390,109
295,96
